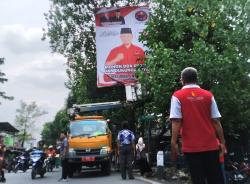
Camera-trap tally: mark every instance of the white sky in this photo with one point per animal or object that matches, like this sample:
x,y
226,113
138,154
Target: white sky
x,y
34,73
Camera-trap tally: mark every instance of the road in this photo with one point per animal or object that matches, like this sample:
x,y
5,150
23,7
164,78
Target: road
x,y
89,177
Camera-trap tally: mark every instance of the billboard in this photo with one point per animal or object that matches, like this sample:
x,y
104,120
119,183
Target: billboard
x,y
119,51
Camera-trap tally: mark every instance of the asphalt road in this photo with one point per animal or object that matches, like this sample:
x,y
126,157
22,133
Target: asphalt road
x,y
88,177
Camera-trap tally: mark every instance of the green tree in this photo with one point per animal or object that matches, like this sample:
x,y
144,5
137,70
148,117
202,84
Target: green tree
x,y
2,80
25,119
51,130
47,133
212,36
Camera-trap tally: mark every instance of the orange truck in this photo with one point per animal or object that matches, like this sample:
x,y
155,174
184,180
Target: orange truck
x,y
90,139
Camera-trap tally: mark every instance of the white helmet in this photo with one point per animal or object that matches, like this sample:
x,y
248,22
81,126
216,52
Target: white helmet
x,y
50,146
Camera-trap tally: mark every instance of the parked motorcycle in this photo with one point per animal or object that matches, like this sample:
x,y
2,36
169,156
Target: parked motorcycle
x,y
11,165
38,164
22,163
10,159
237,173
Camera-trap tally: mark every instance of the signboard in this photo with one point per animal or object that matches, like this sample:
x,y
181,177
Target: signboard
x,y
8,140
119,51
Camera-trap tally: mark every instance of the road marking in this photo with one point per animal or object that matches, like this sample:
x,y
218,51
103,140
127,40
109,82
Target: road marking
x,y
147,180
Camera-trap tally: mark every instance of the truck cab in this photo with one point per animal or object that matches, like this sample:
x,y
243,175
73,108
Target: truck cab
x,y
90,143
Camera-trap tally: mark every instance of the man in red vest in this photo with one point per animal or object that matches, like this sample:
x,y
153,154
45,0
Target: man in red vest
x,y
195,115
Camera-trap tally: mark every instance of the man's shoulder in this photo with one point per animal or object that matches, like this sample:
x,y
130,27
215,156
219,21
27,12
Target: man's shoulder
x,y
124,131
120,132
135,47
206,91
131,132
182,91
178,92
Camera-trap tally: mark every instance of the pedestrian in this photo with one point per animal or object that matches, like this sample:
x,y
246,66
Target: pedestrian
x,y
142,159
126,150
64,156
194,114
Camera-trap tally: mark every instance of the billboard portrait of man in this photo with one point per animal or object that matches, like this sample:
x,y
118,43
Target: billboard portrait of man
x,y
105,19
118,19
121,62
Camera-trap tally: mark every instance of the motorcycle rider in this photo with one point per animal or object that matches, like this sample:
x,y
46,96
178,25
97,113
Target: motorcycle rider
x,y
51,152
2,162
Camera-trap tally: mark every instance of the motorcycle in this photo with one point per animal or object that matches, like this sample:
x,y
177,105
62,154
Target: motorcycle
x,y
11,165
21,163
38,164
235,172
10,159
50,163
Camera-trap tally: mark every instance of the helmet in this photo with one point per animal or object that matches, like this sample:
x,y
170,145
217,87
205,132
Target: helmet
x,y
50,147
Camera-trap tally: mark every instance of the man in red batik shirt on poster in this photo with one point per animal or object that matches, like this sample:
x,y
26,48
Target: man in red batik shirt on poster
x,y
122,60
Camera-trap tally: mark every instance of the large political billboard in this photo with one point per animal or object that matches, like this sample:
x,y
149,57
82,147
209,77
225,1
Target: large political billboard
x,y
119,51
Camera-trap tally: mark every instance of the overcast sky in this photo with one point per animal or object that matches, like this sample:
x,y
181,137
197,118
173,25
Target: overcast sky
x,y
34,73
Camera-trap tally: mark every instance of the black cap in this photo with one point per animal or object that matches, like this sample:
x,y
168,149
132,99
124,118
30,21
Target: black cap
x,y
126,31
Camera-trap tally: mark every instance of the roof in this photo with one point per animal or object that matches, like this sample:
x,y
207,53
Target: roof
x,y
7,127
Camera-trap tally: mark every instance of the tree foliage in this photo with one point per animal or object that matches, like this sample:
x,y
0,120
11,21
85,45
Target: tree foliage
x,y
51,130
26,118
2,80
212,36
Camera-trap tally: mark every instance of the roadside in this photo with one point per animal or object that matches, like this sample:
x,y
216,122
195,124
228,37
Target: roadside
x,y
170,176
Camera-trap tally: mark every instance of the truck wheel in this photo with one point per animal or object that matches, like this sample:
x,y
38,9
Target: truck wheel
x,y
106,168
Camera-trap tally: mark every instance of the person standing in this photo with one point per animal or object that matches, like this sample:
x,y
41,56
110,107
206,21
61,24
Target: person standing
x,y
63,154
142,159
195,115
126,150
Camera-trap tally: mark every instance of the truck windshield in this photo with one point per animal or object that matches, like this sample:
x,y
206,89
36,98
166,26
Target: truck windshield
x,y
88,128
